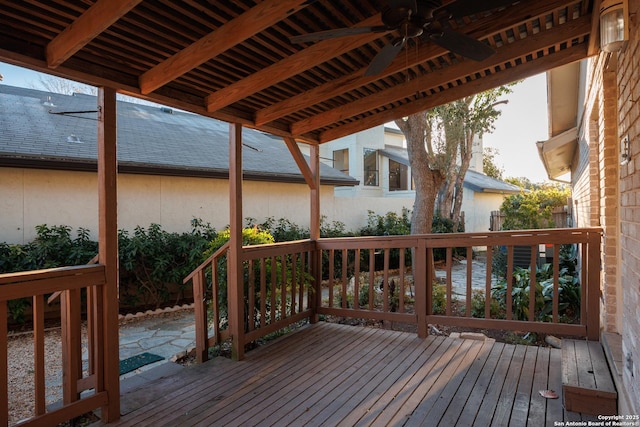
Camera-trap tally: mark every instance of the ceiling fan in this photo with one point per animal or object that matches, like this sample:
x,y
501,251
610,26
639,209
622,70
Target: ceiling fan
x,y
426,20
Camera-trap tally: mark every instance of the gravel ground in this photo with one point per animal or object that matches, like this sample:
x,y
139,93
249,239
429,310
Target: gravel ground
x,y
21,363
21,374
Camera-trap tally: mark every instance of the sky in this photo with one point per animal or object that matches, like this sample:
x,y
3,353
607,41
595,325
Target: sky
x,y
522,123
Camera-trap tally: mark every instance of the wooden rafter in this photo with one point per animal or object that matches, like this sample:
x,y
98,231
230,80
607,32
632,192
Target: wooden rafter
x,y
230,34
290,66
480,84
301,162
542,40
90,24
506,19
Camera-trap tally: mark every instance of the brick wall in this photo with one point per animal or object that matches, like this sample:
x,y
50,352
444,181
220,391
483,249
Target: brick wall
x,y
629,124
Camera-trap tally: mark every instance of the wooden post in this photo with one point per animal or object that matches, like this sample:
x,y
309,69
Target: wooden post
x,y
234,261
4,365
108,248
314,231
593,286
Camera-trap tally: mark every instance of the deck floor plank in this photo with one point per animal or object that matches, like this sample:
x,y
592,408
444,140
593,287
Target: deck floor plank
x,y
328,374
504,407
366,415
467,414
453,382
537,403
269,391
491,398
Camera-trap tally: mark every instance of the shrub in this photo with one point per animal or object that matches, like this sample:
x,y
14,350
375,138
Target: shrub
x,y
568,287
154,262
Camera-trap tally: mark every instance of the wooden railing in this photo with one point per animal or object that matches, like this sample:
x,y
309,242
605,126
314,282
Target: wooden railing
x,y
277,287
395,279
398,293
77,286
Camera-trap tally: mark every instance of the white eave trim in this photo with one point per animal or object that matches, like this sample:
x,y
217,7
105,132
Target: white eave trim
x,y
557,153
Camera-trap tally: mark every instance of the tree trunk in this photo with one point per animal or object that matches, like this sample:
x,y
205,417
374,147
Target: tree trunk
x,y
466,152
427,181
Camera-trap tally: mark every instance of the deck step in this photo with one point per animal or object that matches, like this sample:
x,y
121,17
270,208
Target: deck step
x,y
587,384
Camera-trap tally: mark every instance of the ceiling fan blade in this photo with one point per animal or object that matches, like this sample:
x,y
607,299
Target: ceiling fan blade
x,y
470,7
461,44
384,57
338,32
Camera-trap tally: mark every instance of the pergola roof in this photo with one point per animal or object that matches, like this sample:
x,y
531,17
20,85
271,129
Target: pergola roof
x,y
234,61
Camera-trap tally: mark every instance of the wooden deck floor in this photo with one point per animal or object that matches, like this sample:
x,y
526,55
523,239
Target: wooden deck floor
x,y
335,375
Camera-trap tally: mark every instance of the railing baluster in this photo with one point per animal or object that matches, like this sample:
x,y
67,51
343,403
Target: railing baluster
x,y
200,311
469,277
584,280
488,283
38,354
71,345
283,288
303,277
449,280
215,289
556,282
372,272
400,287
274,287
294,283
331,276
251,312
344,279
509,296
356,279
4,365
385,280
533,282
263,292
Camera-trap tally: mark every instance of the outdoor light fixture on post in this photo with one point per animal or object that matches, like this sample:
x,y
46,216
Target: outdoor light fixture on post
x,y
614,26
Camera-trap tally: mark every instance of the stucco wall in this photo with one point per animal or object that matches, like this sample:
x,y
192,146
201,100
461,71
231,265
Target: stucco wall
x,y
29,197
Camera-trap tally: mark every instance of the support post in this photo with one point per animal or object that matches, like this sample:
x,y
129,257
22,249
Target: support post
x,y
593,286
234,260
314,231
108,248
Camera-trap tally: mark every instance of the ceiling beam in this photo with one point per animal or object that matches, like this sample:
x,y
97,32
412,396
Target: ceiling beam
x,y
228,35
94,21
484,27
291,66
563,57
567,31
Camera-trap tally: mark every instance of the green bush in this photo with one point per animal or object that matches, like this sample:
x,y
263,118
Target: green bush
x,y
153,263
568,288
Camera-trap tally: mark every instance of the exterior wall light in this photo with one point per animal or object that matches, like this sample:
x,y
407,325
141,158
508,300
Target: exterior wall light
x,y
614,27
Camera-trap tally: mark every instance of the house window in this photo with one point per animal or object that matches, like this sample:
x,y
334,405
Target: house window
x,y
398,174
341,160
370,167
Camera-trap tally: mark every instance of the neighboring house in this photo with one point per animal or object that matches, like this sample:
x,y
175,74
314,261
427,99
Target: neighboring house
x,y
173,168
595,145
379,160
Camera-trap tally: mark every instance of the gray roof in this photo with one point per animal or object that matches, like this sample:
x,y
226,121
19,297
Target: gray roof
x,y
151,140
475,181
